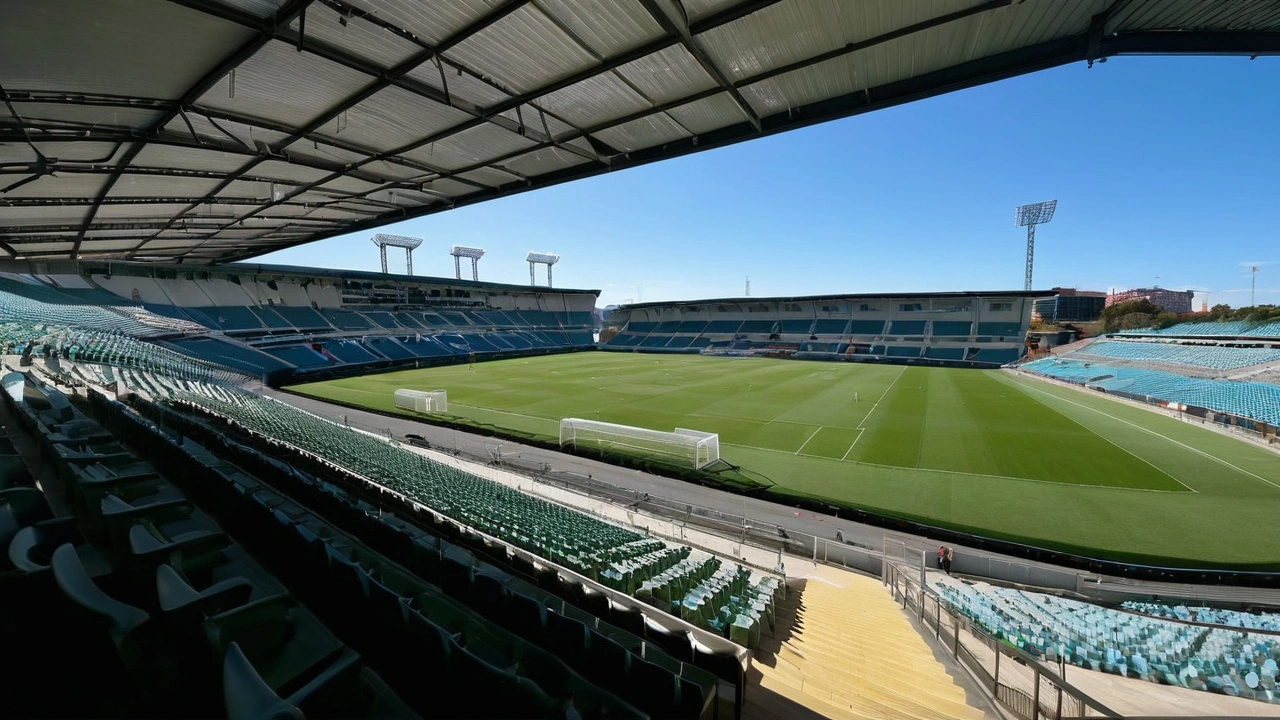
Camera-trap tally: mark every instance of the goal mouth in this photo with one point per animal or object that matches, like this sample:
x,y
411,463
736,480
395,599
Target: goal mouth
x,y
423,401
683,447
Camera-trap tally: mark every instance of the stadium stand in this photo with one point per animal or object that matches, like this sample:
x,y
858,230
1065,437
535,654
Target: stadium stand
x,y
1128,644
1209,616
973,329
153,610
705,593
339,324
1211,357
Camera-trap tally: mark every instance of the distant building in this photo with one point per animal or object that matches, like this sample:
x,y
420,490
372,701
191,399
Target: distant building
x,y
1175,301
1069,305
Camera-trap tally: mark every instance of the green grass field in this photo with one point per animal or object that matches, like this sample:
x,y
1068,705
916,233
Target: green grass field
x,y
984,451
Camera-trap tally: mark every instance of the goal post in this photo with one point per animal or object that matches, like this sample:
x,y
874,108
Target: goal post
x,y
690,448
423,401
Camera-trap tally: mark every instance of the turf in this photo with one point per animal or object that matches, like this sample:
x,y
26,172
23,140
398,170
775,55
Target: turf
x,y
985,451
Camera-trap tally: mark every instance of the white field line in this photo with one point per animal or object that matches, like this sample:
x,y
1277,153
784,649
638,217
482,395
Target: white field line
x,y
1153,432
806,442
898,468
1124,450
882,397
855,442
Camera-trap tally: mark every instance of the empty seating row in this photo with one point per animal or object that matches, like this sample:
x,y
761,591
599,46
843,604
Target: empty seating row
x,y
1256,400
190,619
1212,357
1128,644
535,648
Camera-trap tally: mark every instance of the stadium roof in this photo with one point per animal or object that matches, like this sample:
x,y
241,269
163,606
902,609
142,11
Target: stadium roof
x,y
845,296
212,130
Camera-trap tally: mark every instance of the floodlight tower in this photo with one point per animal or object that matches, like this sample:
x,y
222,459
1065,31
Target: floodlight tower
x,y
461,251
408,243
1030,216
537,258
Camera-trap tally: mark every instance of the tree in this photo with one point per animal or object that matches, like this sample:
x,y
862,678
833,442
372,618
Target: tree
x,y
1130,315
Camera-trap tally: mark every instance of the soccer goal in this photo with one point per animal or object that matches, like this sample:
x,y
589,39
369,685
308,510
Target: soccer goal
x,y
423,401
692,448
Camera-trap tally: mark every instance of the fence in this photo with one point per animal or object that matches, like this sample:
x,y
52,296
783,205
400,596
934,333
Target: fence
x,y
1018,681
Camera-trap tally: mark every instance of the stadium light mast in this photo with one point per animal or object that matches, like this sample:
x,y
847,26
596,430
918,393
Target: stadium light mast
x,y
537,258
461,251
1253,287
1030,216
408,243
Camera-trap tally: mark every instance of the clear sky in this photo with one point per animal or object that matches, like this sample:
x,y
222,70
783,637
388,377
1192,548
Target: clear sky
x,y
1167,171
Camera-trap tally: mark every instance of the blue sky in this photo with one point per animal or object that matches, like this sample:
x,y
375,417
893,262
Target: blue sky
x,y
1167,170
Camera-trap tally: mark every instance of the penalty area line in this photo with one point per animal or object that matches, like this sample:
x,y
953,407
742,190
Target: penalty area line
x,y
855,442
806,442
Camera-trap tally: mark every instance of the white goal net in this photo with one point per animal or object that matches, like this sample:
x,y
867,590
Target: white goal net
x,y
693,448
423,401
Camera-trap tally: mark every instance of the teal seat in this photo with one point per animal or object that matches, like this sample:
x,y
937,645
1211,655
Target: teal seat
x,y
247,695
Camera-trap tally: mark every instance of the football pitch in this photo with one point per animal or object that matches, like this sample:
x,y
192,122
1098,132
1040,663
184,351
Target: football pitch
x,y
987,452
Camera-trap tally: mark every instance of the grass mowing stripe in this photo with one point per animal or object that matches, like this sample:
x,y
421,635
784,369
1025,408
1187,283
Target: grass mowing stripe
x,y
1164,437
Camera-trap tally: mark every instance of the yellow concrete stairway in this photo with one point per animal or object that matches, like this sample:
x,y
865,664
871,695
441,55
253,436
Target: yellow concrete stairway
x,y
843,649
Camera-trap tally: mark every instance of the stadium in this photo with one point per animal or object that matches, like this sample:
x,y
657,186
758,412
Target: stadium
x,y
248,490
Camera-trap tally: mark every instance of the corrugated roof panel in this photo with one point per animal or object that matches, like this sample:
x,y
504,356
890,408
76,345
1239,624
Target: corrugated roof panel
x,y
149,211
1197,15
523,51
402,197
393,171
236,233
533,119
136,235
462,88
225,131
543,161
249,189
645,132
608,28
47,215
101,117
91,153
792,31
445,187
283,85
63,185
470,147
348,185
595,100
257,8
130,185
356,36
91,246
713,113
667,75
119,53
173,156
297,174
493,177
433,22
165,244
316,150
44,247
391,119
699,9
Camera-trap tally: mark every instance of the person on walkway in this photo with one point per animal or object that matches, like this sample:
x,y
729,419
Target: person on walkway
x,y
942,557
951,555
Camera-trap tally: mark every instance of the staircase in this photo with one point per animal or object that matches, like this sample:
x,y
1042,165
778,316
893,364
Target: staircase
x,y
843,649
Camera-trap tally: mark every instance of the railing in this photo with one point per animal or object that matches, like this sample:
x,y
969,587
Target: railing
x,y
1018,681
